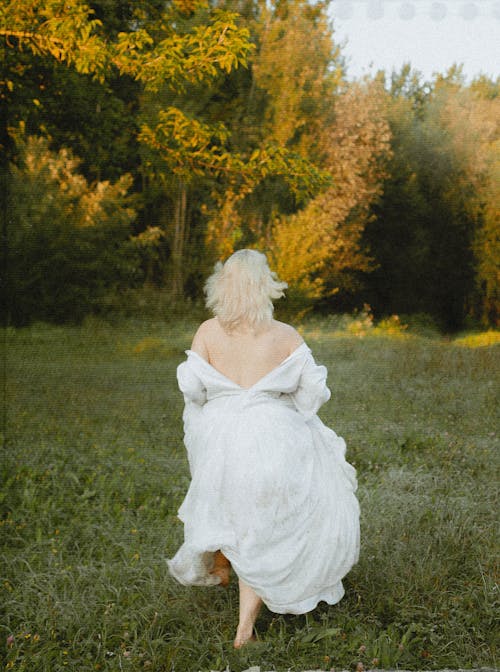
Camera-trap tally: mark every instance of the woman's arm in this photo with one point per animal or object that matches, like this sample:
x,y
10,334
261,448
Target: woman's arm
x,y
312,391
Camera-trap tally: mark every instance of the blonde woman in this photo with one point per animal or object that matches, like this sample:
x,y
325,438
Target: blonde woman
x,y
271,492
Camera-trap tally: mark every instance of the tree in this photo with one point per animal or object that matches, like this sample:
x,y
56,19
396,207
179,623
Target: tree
x,y
299,82
433,234
96,120
208,154
68,241
173,53
188,43
327,234
236,158
275,110
472,118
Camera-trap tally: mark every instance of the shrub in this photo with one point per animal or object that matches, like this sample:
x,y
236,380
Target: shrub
x,y
68,241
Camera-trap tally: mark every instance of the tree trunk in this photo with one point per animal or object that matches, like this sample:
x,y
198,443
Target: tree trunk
x,y
180,233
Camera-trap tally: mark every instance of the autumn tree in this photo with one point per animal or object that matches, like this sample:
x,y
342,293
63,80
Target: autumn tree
x,y
319,250
187,43
236,158
433,235
153,52
299,82
275,110
176,52
471,116
191,149
68,240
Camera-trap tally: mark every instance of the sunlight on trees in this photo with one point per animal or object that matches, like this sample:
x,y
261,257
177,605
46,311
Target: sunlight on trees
x,y
68,240
328,230
215,131
435,226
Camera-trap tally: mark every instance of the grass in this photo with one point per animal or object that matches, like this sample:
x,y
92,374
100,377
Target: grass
x,y
94,471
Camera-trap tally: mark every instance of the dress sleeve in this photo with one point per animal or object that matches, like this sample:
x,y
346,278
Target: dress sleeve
x,y
312,391
190,385
195,396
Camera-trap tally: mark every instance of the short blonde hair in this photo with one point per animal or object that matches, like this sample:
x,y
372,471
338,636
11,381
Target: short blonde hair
x,y
242,289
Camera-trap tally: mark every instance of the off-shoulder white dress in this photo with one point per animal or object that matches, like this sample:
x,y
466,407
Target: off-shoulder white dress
x,y
270,484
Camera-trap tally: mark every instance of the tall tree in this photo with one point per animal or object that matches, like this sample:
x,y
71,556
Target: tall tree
x,y
174,52
238,157
471,116
282,104
299,82
187,43
327,234
431,230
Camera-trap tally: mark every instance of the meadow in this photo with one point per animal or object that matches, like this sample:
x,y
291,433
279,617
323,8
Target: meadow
x,y
94,470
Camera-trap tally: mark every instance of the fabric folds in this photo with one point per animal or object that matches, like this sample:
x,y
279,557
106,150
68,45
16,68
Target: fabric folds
x,y
270,487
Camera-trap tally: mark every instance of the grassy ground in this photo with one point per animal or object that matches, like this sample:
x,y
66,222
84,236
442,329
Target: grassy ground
x,y
94,471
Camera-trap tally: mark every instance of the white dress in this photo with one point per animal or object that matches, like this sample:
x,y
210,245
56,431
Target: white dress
x,y
270,484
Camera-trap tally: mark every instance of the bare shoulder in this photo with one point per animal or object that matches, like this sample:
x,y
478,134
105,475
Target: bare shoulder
x,y
203,336
288,334
208,327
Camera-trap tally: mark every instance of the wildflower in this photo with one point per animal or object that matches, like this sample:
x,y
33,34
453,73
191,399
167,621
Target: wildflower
x,y
10,640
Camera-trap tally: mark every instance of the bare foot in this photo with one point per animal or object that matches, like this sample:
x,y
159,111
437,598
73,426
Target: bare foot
x,y
243,638
223,574
221,568
250,604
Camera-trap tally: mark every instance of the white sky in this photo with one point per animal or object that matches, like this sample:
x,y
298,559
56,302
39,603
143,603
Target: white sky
x,y
431,34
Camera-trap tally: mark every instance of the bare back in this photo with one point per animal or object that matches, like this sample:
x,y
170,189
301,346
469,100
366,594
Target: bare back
x,y
243,356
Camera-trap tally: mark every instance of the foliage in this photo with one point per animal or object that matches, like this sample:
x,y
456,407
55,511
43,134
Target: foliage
x,y
476,129
151,54
190,148
95,471
63,30
319,249
234,137
67,240
278,175
299,83
433,234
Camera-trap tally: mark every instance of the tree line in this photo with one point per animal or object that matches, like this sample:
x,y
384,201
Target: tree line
x,y
143,141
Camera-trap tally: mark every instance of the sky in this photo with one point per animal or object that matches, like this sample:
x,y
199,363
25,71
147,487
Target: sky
x,y
430,34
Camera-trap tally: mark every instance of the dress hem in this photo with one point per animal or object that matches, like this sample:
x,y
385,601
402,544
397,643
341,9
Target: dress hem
x,y
332,596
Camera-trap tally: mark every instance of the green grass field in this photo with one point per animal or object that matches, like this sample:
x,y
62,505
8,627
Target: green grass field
x,y
94,471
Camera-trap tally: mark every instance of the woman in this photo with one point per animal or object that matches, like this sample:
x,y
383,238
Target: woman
x,y
271,492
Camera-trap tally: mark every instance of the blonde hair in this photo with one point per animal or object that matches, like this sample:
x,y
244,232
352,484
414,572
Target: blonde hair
x,y
241,290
